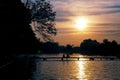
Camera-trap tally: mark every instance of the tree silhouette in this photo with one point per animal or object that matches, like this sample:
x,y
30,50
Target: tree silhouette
x,y
42,18
89,45
15,19
68,48
50,47
105,48
17,35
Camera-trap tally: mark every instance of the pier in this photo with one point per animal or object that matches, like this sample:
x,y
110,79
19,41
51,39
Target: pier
x,y
89,58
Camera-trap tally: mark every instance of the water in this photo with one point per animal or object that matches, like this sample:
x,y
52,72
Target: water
x,y
75,70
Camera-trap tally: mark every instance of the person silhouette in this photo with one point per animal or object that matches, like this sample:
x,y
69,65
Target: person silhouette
x,y
63,55
68,56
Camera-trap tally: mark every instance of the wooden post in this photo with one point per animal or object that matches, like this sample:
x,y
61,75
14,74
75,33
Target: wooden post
x,y
62,59
91,59
44,59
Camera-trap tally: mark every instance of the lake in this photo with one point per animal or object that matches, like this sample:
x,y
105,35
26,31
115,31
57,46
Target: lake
x,y
72,70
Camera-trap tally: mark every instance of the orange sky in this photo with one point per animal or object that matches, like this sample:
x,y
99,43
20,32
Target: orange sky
x,y
103,21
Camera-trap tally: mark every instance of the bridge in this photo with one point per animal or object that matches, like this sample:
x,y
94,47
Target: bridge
x,y
90,58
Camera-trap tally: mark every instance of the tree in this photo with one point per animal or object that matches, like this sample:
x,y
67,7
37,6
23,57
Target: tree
x,y
15,19
89,45
42,18
17,35
69,48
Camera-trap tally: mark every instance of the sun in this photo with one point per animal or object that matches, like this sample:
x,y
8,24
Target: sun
x,y
81,23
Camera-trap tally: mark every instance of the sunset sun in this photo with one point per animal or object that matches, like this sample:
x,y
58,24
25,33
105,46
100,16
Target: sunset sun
x,y
81,23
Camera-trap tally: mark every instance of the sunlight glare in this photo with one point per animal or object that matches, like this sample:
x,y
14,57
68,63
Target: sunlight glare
x,y
81,23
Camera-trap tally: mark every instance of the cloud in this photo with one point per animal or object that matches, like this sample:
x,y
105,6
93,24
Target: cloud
x,y
101,31
86,7
106,9
107,24
102,12
112,6
106,31
62,19
100,28
63,13
65,9
66,30
111,33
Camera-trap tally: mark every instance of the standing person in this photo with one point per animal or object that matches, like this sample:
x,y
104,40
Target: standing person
x,y
63,55
68,56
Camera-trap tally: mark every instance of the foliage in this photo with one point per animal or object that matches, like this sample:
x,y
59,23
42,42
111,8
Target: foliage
x,y
68,48
89,44
42,17
105,48
17,35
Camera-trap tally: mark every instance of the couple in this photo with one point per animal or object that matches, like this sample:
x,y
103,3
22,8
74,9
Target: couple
x,y
66,56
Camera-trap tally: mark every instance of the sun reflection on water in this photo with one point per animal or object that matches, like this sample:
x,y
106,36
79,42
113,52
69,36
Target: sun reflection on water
x,y
81,70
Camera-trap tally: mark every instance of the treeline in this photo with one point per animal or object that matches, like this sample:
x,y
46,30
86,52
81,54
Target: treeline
x,y
107,47
54,47
88,47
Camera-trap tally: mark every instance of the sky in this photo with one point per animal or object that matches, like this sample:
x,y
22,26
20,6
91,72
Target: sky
x,y
77,20
102,20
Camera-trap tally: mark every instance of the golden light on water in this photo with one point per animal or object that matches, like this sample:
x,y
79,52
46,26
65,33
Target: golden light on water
x,y
81,69
81,23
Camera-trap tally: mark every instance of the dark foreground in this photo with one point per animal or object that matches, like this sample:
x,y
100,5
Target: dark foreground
x,y
17,69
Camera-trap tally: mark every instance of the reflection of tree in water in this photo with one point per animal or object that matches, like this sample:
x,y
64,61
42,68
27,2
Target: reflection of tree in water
x,y
24,68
